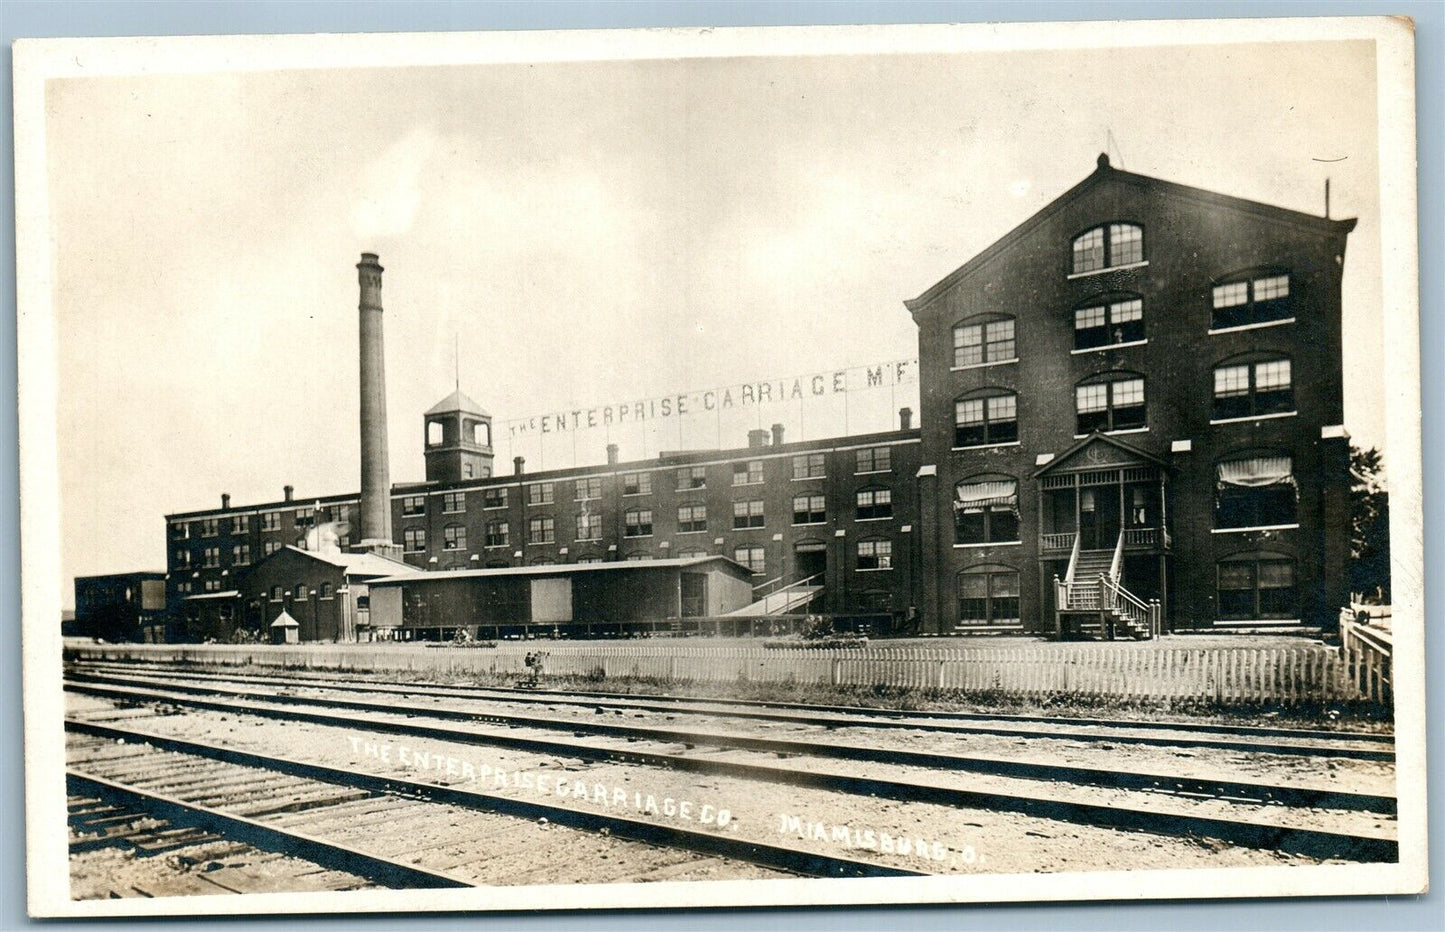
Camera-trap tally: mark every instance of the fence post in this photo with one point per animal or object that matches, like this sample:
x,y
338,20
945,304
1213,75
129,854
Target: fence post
x,y
833,673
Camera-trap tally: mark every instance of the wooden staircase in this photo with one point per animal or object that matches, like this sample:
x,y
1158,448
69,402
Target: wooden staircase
x,y
1091,601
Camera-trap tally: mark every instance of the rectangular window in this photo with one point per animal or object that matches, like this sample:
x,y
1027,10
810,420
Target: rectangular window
x,y
638,523
454,537
241,555
875,459
875,554
212,558
984,421
454,503
540,493
988,598
240,524
637,483
589,526
180,531
414,539
1117,405
809,466
498,533
747,515
691,477
875,503
412,505
1251,589
211,527
1253,389
212,585
752,558
541,530
271,521
305,517
691,518
749,473
1126,244
271,547
589,488
494,498
809,509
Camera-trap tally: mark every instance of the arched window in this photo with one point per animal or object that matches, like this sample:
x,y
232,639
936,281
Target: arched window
x,y
1257,586
986,510
1248,298
810,508
454,537
874,502
1107,320
480,433
301,592
1253,386
1111,401
988,595
982,340
691,518
875,554
1255,490
691,554
275,593
984,417
637,522
325,591
542,561
1107,247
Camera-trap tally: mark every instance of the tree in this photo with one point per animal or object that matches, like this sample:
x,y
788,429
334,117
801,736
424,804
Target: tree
x,y
1369,525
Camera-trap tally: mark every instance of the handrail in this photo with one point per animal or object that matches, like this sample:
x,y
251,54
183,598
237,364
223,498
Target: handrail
x,y
1073,559
791,585
1118,560
768,583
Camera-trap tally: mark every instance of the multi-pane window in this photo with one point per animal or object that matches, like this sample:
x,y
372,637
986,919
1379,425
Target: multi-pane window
x,y
1115,404
180,531
276,593
809,466
875,503
498,533
691,477
212,558
324,592
875,554
412,505
589,488
751,557
454,503
748,514
1255,491
540,493
271,521
302,593
1254,300
454,537
1107,247
494,498
211,527
1260,587
691,518
985,419
988,597
691,554
637,523
809,509
1109,322
1253,388
270,547
589,526
182,558
749,473
986,511
988,341
636,483
241,555
589,558
541,530
637,556
875,459
414,539
240,524
305,517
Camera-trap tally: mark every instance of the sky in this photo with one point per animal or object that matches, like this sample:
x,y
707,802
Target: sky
x,y
560,235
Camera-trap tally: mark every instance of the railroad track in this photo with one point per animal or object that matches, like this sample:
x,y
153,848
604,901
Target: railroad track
x,y
1300,742
1041,799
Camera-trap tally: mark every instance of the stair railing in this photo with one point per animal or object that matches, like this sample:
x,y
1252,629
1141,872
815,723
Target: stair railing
x,y
1140,614
767,600
1073,558
1117,563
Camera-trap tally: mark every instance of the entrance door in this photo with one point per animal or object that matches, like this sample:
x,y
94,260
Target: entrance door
x,y
1098,517
810,558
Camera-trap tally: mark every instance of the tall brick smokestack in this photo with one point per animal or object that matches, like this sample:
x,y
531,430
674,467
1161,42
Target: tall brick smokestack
x,y
375,474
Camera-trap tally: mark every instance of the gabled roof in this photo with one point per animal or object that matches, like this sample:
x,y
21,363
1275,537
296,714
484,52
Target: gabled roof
x,y
356,564
1106,172
1128,449
284,620
454,402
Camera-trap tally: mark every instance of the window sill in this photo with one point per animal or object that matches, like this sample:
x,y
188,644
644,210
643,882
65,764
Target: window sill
x,y
874,569
808,478
1262,527
1114,433
989,446
740,485
1255,417
635,494
681,533
983,365
884,518
541,504
493,507
541,543
1112,268
462,512
1107,346
494,546
809,523
635,536
1264,323
587,540
874,472
1001,543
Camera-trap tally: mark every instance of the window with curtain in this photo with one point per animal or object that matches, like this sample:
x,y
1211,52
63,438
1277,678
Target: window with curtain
x,y
1255,491
988,595
986,511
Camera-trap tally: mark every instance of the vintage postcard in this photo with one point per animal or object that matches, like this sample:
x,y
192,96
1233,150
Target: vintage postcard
x,y
720,467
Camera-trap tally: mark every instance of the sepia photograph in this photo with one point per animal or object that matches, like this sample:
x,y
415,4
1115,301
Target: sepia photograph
x,y
688,468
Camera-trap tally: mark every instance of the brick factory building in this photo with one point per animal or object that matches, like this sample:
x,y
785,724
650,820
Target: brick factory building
x,y
1131,423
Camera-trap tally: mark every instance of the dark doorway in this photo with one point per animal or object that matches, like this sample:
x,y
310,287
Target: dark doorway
x,y
811,559
694,595
1098,517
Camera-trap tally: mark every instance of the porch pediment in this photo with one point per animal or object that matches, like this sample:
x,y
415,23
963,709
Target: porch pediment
x,y
1098,451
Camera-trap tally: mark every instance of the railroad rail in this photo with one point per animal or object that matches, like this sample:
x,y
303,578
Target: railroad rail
x,y
1150,818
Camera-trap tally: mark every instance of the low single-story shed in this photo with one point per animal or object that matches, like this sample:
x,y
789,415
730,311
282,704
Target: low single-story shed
x,y
575,599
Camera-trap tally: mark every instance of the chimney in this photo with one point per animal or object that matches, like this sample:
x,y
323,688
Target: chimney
x,y
286,492
518,462
777,435
612,454
375,474
905,418
757,438
225,500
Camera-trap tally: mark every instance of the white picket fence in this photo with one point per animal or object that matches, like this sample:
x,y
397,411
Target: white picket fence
x,y
1224,674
